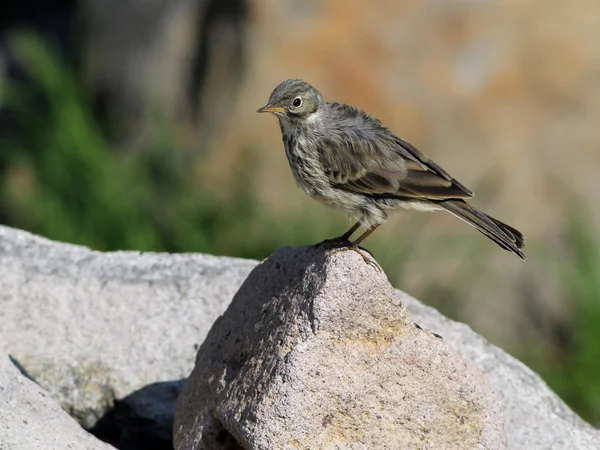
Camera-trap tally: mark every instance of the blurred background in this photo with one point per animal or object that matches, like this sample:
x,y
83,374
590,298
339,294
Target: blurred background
x,y
130,124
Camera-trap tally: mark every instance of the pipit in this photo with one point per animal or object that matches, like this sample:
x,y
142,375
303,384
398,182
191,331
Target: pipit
x,y
346,158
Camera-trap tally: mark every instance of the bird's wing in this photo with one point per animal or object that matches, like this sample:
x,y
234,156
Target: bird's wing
x,y
369,159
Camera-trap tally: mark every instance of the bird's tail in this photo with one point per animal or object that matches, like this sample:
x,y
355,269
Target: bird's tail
x,y
505,236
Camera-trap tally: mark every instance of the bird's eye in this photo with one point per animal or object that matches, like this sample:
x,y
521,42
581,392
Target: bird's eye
x,y
297,102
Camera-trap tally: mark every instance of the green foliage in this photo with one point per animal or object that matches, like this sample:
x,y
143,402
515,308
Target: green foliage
x,y
572,368
61,179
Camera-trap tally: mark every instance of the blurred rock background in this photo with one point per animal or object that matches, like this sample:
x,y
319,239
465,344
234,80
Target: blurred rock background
x,y
131,125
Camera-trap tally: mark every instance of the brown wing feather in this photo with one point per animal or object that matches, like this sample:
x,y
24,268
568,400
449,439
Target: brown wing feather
x,y
363,156
431,165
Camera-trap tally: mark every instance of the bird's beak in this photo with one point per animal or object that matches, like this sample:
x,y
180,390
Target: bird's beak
x,y
270,109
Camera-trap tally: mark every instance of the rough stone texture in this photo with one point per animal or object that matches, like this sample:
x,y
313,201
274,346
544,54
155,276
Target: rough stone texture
x,y
92,327
139,315
31,420
318,352
536,417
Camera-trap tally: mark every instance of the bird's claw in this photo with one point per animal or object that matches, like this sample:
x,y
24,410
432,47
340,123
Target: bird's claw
x,y
367,258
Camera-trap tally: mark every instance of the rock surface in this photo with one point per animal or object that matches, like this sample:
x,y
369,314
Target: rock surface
x,y
30,419
138,317
93,327
536,417
318,352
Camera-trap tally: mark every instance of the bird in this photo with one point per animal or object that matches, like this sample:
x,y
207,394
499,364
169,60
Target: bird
x,y
348,159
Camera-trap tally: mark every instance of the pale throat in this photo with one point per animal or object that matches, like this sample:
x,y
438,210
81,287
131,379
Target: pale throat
x,y
288,127
314,117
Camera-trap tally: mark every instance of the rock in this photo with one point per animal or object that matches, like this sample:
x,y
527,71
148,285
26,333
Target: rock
x,y
93,327
536,417
317,352
31,419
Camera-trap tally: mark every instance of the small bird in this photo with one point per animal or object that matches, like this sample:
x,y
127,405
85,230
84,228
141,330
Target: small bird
x,y
347,159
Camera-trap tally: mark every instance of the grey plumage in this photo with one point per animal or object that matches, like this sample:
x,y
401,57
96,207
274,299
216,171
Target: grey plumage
x,y
346,158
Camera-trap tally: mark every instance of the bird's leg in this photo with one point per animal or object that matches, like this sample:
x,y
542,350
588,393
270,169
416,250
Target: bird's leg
x,y
344,237
365,235
355,246
342,240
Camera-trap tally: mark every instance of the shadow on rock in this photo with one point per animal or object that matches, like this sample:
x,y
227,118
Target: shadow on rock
x,y
142,420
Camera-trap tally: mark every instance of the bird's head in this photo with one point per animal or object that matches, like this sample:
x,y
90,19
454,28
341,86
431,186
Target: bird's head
x,y
293,99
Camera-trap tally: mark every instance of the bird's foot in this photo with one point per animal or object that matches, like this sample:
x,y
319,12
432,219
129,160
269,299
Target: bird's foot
x,y
334,243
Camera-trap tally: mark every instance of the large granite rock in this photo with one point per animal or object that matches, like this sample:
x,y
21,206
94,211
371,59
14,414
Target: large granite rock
x,y
30,419
92,328
318,352
536,418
